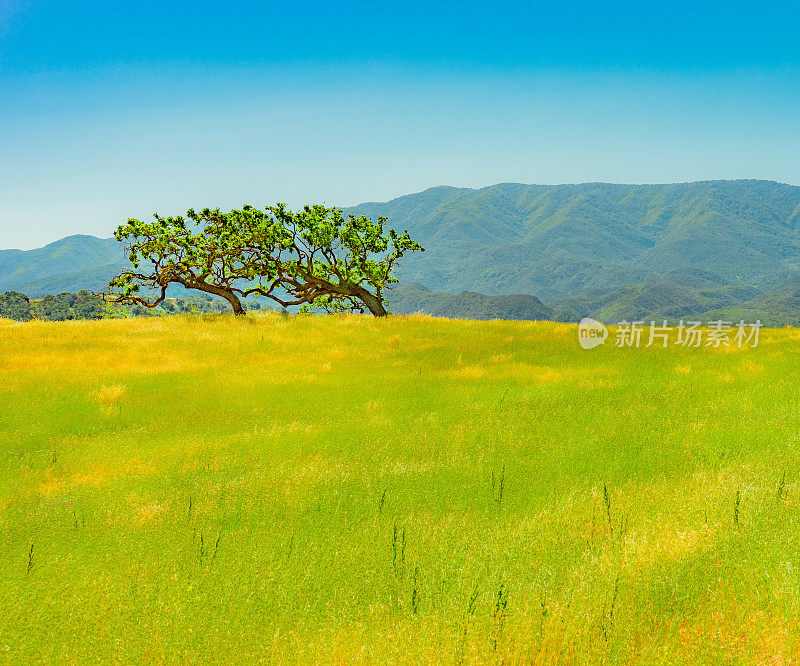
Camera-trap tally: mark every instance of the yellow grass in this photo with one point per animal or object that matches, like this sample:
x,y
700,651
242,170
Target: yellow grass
x,y
344,489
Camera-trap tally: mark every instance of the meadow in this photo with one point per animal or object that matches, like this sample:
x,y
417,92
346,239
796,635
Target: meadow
x,y
344,489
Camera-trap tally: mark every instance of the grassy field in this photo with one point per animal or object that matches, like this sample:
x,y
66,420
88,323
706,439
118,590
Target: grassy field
x,y
347,489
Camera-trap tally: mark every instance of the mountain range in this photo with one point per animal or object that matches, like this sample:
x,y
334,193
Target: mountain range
x,y
557,241
595,249
67,265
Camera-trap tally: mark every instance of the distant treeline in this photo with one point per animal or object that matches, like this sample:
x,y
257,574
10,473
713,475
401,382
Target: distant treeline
x,y
84,305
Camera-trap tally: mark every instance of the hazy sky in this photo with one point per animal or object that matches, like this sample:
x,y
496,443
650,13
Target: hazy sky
x,y
116,109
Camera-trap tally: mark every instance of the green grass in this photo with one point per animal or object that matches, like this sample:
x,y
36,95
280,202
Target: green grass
x,y
342,489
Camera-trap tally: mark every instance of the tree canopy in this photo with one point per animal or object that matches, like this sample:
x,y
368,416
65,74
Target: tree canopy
x,y
14,305
317,257
64,306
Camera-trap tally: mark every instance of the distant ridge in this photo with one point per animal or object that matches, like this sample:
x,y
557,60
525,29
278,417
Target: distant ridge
x,y
607,250
556,241
411,298
72,263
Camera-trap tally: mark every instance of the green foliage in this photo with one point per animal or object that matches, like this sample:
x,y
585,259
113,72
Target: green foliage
x,y
82,305
195,305
14,305
316,257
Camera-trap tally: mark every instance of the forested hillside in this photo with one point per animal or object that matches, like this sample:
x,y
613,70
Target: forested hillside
x,y
558,241
608,251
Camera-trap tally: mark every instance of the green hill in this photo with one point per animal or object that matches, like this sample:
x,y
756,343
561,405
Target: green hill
x,y
609,251
558,241
778,307
677,295
411,298
67,265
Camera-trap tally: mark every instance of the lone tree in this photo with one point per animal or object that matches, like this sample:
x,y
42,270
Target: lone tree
x,y
316,257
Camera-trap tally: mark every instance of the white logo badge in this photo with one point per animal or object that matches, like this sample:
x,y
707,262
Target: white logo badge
x,y
591,333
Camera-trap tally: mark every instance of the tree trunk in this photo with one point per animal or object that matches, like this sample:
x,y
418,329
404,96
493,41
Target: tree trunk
x,y
236,304
229,296
372,302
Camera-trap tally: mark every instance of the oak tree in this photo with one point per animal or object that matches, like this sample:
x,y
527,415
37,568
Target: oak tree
x,y
317,257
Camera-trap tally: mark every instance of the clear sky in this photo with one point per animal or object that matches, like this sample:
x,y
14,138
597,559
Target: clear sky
x,y
116,109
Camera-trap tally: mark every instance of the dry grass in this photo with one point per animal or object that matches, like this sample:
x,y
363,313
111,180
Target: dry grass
x,y
344,489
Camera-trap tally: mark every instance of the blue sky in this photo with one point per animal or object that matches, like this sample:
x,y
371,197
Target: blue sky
x,y
111,110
